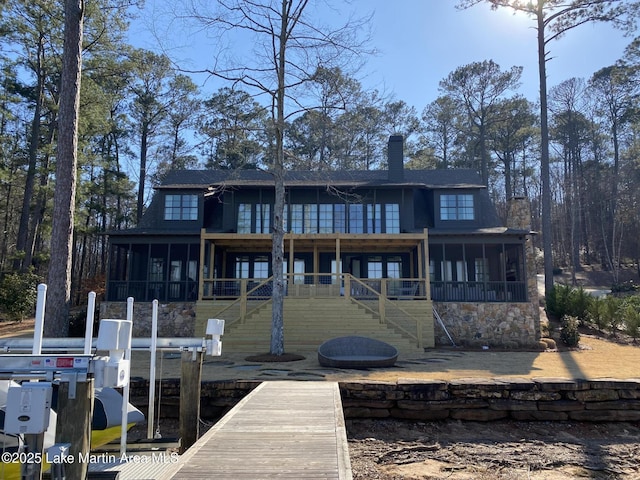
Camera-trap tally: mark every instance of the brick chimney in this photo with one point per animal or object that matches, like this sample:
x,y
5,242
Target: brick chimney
x,y
395,153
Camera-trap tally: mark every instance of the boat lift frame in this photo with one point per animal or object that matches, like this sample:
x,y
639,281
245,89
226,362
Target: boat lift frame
x,y
79,367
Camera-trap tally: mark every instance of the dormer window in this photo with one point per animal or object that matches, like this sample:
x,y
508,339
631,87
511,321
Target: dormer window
x,y
181,207
457,207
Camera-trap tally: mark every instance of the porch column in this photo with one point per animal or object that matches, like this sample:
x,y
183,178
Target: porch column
x,y
291,259
201,269
427,277
338,262
316,263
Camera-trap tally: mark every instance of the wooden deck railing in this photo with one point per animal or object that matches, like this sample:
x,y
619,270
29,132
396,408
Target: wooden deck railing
x,y
378,296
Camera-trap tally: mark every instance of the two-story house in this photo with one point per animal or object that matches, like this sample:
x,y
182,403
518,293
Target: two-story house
x,y
366,252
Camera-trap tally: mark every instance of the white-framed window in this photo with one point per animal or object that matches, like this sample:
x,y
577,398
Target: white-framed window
x,y
325,217
374,267
261,267
181,207
374,218
297,210
263,218
340,218
242,267
356,218
457,207
310,218
298,270
392,218
244,218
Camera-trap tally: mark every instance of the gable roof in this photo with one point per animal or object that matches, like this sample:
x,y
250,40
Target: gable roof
x,y
436,179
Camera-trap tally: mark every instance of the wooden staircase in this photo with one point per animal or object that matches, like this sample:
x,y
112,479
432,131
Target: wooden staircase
x,y
307,323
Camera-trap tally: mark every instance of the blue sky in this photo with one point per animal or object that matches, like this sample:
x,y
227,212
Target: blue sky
x,y
422,41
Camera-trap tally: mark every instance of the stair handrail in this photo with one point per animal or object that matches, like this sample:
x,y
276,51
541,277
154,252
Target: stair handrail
x,y
241,301
383,300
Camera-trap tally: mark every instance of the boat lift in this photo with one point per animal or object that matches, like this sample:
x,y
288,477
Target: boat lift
x,y
45,365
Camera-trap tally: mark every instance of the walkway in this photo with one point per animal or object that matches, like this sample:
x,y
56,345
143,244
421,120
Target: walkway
x,y
282,429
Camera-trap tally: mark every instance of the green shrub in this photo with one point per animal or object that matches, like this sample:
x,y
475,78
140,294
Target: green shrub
x,y
625,287
566,300
603,312
597,313
630,314
18,293
579,303
557,300
569,333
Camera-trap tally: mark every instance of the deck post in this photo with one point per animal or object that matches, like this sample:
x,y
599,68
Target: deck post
x,y
190,379
381,298
201,268
243,300
74,424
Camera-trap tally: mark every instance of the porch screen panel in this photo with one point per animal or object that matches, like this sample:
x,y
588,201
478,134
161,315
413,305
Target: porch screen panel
x,y
158,264
514,262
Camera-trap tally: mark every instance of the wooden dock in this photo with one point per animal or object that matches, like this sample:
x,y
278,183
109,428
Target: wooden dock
x,y
282,429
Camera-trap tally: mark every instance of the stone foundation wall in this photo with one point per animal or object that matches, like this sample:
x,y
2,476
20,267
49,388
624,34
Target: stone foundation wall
x,y
505,325
543,399
174,319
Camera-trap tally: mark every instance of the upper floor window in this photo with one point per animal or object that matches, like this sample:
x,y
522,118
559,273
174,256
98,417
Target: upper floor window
x,y
325,218
457,207
340,218
374,218
392,217
263,218
181,207
322,218
356,218
244,218
246,215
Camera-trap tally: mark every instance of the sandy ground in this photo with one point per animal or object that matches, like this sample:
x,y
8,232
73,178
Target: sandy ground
x,y
596,358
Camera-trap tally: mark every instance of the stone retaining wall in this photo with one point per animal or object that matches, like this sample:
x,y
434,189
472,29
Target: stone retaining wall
x,y
504,325
547,399
174,319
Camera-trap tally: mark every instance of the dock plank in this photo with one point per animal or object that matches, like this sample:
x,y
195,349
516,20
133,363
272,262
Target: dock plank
x,y
283,429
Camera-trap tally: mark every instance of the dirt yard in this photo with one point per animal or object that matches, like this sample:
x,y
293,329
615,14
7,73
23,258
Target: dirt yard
x,y
391,450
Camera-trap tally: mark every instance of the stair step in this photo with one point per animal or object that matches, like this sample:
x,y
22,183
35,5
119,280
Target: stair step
x,y
309,322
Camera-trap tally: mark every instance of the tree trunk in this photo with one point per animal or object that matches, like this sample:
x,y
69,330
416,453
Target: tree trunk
x,y
547,245
59,278
34,143
143,170
277,248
